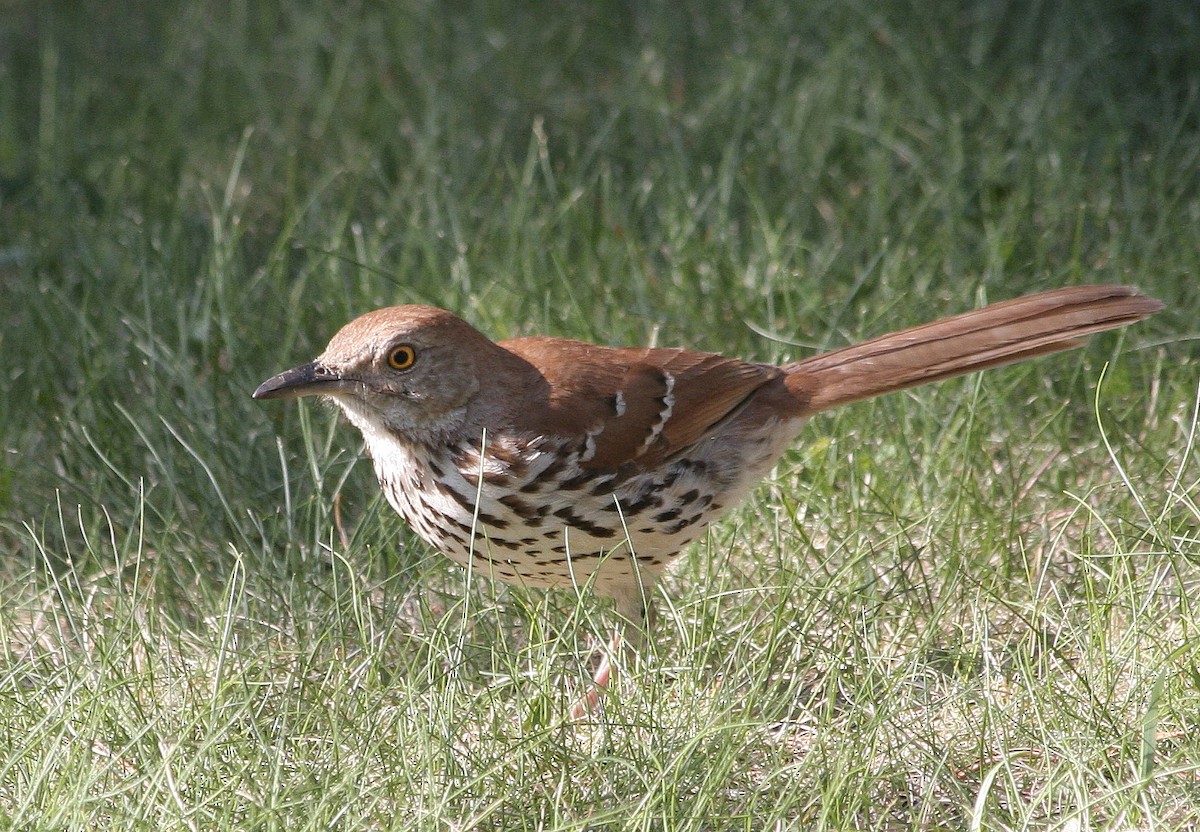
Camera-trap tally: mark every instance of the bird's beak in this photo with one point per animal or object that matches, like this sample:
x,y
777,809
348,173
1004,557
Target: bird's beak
x,y
311,379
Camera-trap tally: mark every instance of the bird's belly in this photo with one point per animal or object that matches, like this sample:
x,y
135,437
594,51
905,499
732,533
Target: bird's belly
x,y
542,523
551,537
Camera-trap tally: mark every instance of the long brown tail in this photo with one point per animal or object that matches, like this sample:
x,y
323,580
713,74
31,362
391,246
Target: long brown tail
x,y
989,337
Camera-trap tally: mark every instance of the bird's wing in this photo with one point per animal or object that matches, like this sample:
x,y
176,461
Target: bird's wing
x,y
634,406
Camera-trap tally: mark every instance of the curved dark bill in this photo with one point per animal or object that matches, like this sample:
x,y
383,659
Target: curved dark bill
x,y
309,379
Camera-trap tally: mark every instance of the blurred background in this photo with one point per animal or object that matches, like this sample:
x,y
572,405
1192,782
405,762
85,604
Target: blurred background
x,y
196,195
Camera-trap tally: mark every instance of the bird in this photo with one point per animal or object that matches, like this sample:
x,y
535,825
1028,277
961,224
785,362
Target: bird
x,y
555,463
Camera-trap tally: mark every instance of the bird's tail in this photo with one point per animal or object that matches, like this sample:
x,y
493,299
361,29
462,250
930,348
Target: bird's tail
x,y
998,334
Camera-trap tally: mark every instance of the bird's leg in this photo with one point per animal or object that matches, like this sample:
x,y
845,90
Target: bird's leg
x,y
637,614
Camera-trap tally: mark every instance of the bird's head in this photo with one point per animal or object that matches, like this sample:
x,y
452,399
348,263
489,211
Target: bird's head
x,y
411,370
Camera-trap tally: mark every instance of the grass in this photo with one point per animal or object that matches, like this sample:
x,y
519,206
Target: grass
x,y
967,607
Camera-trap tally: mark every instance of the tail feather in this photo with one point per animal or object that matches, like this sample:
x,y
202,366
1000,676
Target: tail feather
x,y
1001,333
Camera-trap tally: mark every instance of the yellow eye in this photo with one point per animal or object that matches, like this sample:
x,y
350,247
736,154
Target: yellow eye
x,y
402,357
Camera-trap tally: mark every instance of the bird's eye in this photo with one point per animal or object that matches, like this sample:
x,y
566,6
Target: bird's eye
x,y
401,357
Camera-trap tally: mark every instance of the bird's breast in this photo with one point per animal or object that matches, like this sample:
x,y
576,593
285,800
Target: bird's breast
x,y
527,511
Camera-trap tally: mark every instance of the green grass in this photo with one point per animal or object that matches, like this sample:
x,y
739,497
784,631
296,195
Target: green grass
x,y
966,607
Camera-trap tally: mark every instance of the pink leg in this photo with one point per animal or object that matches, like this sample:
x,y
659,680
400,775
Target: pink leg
x,y
587,703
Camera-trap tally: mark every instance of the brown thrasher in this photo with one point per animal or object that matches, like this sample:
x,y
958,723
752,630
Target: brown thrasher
x,y
548,462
